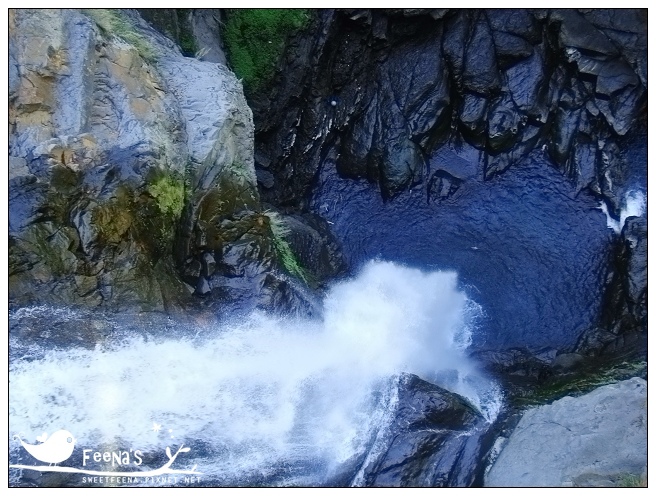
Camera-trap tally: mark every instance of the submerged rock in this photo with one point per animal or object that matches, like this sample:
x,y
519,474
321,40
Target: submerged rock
x,y
592,440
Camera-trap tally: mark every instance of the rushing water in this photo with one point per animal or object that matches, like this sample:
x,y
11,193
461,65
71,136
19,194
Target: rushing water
x,y
261,401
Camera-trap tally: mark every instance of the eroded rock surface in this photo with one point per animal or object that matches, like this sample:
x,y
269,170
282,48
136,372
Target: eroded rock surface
x,y
125,158
591,440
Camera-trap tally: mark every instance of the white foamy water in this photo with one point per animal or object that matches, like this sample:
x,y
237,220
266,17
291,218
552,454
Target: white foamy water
x,y
265,391
635,205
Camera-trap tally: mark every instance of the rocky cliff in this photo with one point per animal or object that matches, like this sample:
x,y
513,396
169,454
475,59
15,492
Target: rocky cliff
x,y
145,175
131,171
377,94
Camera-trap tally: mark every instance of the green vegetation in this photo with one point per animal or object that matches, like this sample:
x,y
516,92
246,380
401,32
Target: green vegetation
x,y
114,218
112,23
630,480
283,250
169,193
187,41
583,382
255,39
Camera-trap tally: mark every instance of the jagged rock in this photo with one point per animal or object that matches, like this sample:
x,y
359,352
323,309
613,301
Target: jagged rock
x,y
487,53
480,71
375,94
622,26
442,185
472,117
594,439
518,22
208,264
635,235
526,81
105,133
401,166
206,25
519,363
504,124
577,32
314,246
434,440
202,286
564,128
454,43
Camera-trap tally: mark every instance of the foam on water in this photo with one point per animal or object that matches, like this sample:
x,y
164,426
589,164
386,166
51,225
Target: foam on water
x,y
635,205
265,391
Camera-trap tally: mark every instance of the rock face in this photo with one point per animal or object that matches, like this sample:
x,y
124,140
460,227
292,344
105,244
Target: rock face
x,y
381,92
125,158
592,440
434,441
403,82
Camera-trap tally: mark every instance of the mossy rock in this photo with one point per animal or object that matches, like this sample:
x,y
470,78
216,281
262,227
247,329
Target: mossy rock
x,y
255,39
169,192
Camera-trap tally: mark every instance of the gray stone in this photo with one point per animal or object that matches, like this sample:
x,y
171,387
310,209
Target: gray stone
x,y
103,121
480,72
574,441
206,24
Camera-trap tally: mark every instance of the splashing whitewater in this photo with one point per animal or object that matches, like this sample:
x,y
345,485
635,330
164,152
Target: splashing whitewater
x,y
267,391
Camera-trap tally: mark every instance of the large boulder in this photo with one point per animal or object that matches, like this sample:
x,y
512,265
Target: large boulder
x,y
599,439
434,440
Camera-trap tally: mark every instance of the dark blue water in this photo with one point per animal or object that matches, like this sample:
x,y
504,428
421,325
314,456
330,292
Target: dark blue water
x,y
526,247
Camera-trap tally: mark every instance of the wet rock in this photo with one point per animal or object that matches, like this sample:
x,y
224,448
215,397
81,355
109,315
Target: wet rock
x,y
206,26
503,124
202,286
425,99
577,32
480,71
456,34
567,443
567,361
442,185
265,178
526,84
519,363
518,22
563,131
621,111
401,166
622,26
635,235
612,172
315,247
434,440
114,144
208,264
472,118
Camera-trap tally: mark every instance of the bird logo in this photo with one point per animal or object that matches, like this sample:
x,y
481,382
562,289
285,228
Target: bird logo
x,y
53,449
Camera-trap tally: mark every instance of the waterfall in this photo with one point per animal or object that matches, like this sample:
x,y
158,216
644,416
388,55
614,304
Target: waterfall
x,y
263,393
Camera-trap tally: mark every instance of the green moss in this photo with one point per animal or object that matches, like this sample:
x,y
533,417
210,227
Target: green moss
x,y
583,383
114,218
62,196
112,23
630,480
255,39
187,41
52,245
169,193
283,250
